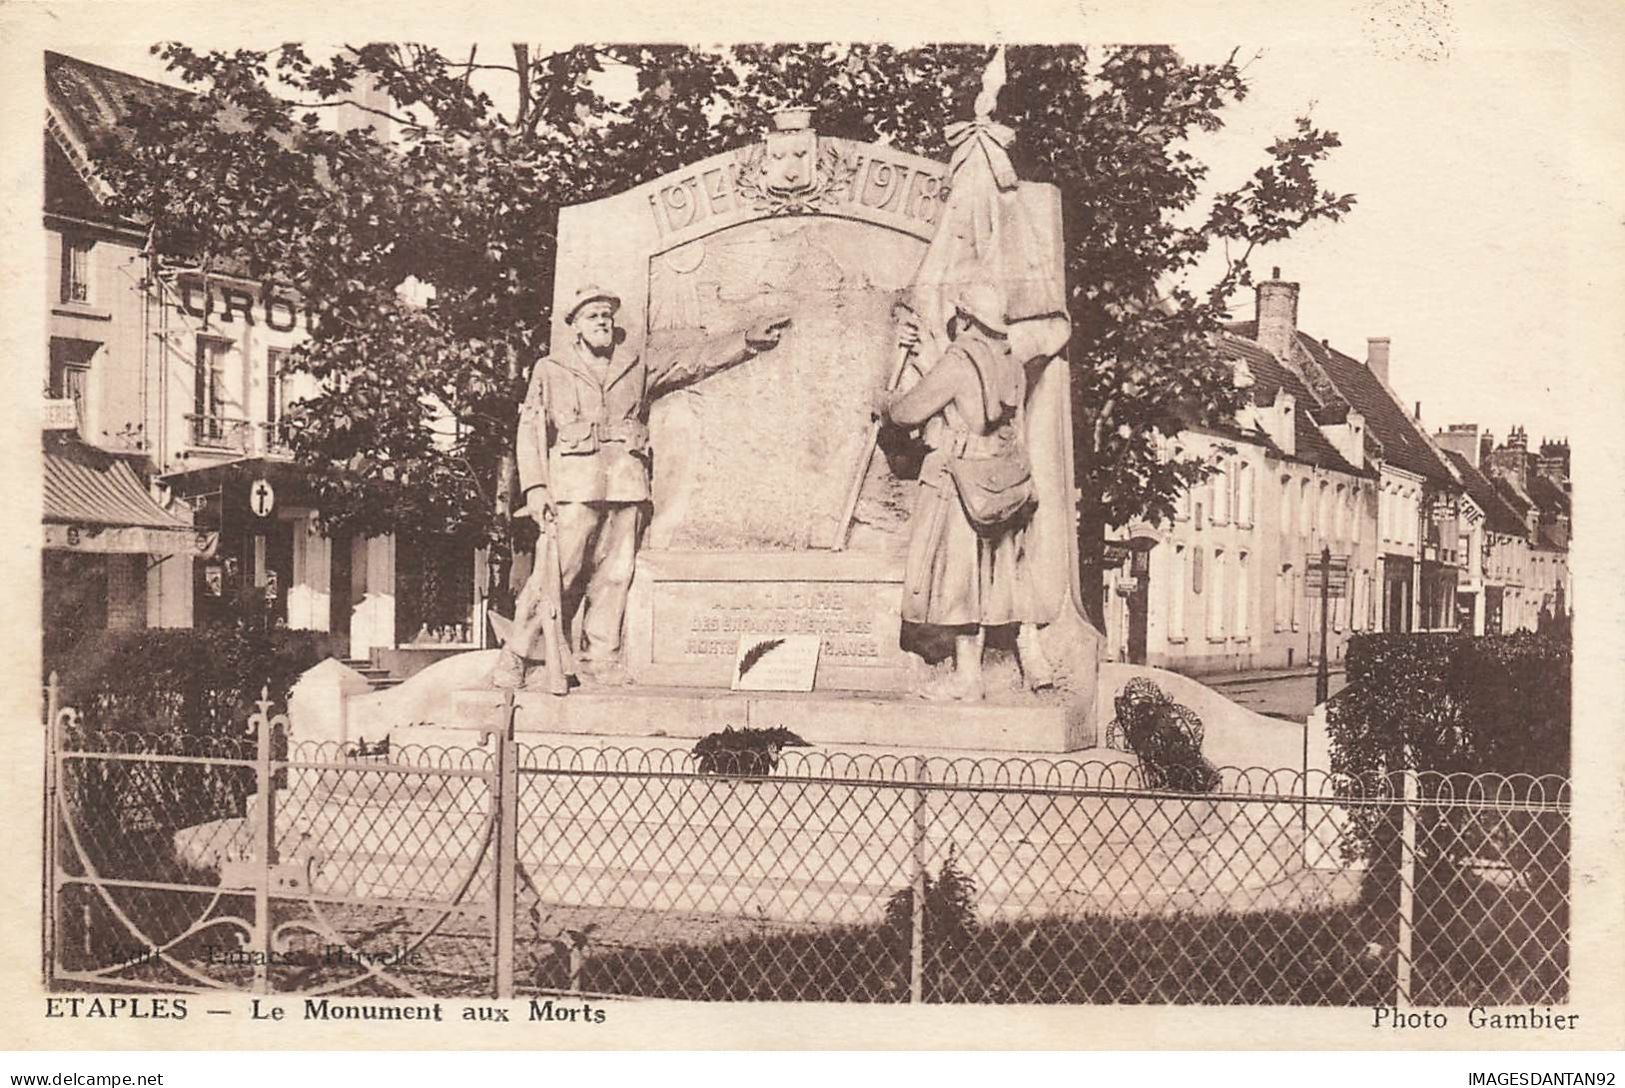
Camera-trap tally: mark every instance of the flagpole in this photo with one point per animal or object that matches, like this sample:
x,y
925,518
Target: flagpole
x,y
849,510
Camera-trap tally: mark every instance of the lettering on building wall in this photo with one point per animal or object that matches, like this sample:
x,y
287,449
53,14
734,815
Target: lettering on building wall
x,y
232,305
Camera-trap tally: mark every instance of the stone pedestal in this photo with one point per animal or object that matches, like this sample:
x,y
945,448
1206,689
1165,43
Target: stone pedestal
x,y
836,719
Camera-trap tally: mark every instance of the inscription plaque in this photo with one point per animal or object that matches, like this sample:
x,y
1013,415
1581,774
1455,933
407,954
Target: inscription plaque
x,y
689,610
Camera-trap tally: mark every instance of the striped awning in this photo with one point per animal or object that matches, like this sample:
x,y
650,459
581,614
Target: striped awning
x,y
94,502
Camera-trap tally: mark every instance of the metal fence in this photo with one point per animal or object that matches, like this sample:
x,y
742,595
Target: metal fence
x,y
257,864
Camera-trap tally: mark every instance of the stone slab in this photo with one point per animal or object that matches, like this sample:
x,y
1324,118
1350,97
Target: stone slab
x,y
688,610
821,718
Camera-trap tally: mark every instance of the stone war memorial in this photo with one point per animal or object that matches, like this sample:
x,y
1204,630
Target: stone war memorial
x,y
758,310
801,459
778,504
797,699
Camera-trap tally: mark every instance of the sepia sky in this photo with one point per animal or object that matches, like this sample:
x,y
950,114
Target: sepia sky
x,y
1458,249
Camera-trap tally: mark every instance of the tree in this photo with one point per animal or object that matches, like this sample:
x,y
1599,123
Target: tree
x,y
466,198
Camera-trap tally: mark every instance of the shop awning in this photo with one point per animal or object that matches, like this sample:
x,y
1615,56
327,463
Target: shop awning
x,y
95,502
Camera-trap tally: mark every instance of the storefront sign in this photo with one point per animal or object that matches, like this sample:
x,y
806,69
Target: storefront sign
x,y
61,414
261,498
228,305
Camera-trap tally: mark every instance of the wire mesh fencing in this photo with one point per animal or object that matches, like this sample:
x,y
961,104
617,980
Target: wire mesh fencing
x,y
790,876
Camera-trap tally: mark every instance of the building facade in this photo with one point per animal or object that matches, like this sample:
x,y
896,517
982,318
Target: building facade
x,y
187,376
1324,460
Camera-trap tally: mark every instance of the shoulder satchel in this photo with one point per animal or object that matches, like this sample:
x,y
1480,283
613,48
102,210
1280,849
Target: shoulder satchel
x,y
995,491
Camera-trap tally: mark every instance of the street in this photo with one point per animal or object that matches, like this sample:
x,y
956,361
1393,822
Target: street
x,y
1289,695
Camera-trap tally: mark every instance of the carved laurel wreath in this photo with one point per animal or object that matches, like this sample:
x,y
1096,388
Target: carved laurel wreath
x,y
833,175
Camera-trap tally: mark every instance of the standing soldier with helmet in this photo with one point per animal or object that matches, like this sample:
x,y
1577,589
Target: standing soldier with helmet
x,y
583,459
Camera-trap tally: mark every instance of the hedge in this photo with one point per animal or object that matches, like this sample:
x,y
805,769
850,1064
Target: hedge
x,y
191,681
1455,703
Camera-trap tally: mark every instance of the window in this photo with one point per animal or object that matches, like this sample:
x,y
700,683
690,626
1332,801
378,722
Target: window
x,y
276,385
1241,626
1176,592
1196,569
70,373
1354,515
1306,510
1286,505
1215,603
1296,595
1339,515
1244,494
209,391
1323,517
1221,494
1283,584
75,269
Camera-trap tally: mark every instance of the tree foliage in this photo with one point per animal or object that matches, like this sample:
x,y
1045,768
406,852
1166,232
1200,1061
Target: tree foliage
x,y
465,197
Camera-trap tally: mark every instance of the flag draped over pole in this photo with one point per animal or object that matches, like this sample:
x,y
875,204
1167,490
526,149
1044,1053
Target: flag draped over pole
x,y
999,239
987,237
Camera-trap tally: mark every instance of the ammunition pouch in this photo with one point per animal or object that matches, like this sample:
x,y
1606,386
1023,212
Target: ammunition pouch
x,y
577,438
634,435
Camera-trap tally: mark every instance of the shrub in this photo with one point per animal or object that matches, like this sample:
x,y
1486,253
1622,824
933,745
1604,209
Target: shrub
x,y
176,692
950,908
198,682
1454,703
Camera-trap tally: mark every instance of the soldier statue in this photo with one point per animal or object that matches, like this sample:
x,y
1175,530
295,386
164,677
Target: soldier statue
x,y
966,569
583,459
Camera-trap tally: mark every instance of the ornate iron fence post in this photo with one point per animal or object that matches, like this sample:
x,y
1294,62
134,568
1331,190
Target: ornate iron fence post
x,y
53,698
265,729
1407,892
506,800
916,952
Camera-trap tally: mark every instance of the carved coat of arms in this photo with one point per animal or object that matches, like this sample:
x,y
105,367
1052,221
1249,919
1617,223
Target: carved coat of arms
x,y
791,173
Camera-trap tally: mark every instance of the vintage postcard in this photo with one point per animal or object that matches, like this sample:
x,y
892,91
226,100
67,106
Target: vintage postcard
x,y
660,529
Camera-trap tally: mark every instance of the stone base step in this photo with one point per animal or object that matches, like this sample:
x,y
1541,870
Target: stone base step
x,y
1018,723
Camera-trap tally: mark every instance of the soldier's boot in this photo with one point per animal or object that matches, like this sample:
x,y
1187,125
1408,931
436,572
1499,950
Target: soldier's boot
x,y
509,672
1035,667
610,673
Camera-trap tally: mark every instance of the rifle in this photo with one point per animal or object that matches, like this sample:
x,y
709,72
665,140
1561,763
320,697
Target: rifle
x,y
547,566
843,528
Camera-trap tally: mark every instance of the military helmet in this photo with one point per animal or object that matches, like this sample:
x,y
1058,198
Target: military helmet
x,y
590,293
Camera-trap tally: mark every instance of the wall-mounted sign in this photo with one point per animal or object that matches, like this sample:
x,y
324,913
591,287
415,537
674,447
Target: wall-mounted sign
x,y
61,414
261,498
224,304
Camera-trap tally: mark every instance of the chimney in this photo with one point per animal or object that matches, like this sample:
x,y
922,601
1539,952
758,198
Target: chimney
x,y
1554,460
1486,446
1376,357
1277,314
1511,461
1460,439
